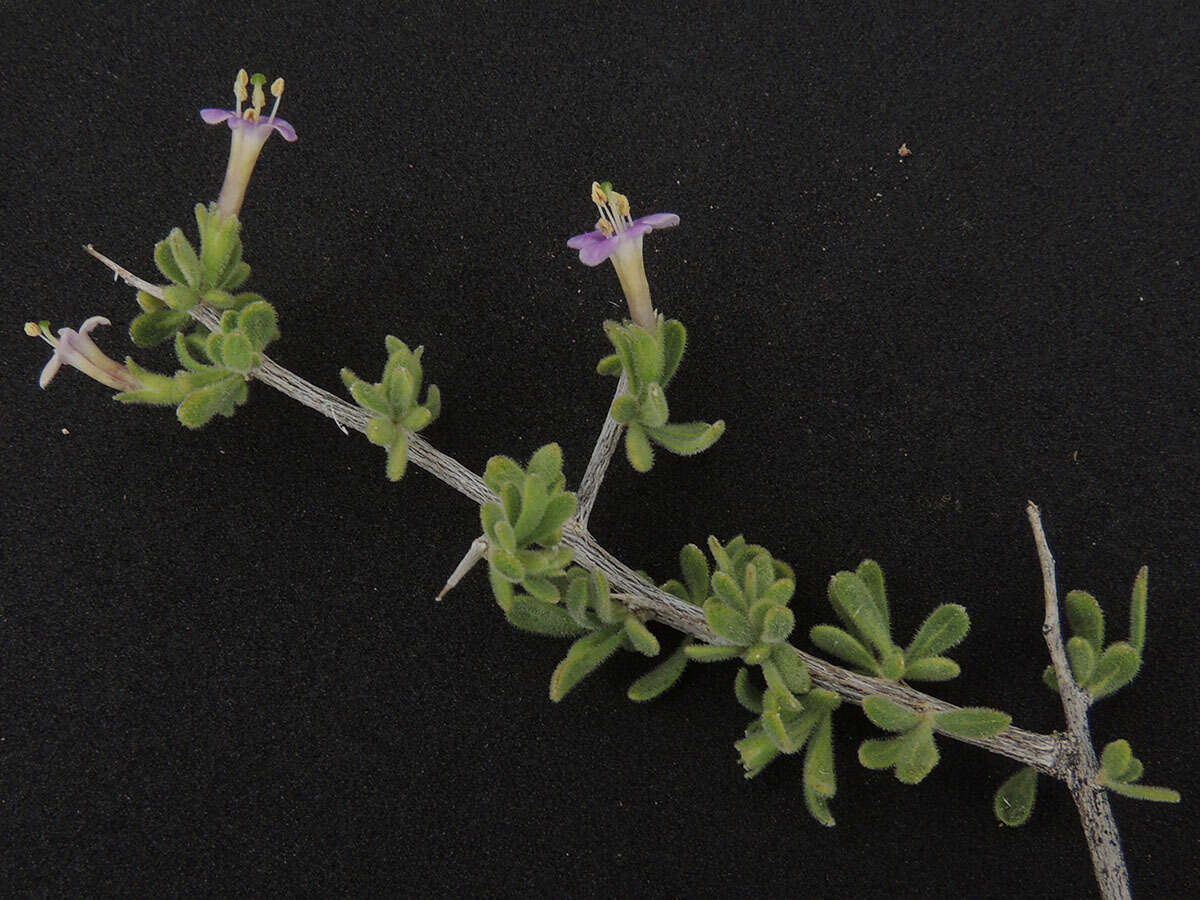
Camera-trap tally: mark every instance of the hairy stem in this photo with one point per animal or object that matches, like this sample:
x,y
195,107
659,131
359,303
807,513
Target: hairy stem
x,y
1050,754
1095,811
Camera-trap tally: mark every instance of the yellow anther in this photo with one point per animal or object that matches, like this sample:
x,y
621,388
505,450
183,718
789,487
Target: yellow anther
x,y
622,203
259,98
277,88
33,329
598,196
605,227
239,86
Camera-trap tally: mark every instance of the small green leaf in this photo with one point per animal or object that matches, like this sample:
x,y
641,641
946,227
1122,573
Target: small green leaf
x,y
918,754
780,591
433,401
506,536
1115,669
640,636
972,722
559,508
1050,679
647,356
397,457
712,652
1087,621
818,807
259,322
510,500
502,588
159,390
891,664
367,395
610,365
726,621
506,565
148,302
818,759
180,297
661,678
1137,611
542,588
638,449
1014,799
756,749
1133,771
777,625
745,692
719,555
888,714
654,409
932,668
165,260
546,462
156,326
686,438
871,575
1082,658
695,572
220,397
380,431
777,683
853,603
795,673
584,657
237,353
774,728
879,753
186,261
624,409
727,590
1146,792
502,470
539,617
836,642
945,626
183,350
674,339
416,418
235,277
400,388
1115,758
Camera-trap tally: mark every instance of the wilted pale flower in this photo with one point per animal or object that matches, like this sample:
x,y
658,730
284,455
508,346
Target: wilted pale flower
x,y
619,238
250,132
76,349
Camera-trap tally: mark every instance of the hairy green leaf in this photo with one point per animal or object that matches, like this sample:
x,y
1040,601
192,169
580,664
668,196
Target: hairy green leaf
x,y
871,575
879,753
1115,758
745,692
1146,792
855,606
547,463
944,627
695,572
164,259
397,457
531,614
640,636
236,353
792,669
662,677
506,564
654,409
584,657
918,754
154,327
624,409
220,397
932,668
972,722
1087,621
610,365
888,714
534,500
1013,803
1082,658
502,470
686,438
728,622
818,759
674,339
1116,668
844,646
777,625
712,652
186,261
638,449
1137,611
180,297
777,683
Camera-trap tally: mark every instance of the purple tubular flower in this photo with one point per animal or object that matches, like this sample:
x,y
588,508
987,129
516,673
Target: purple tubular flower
x,y
619,238
78,350
250,131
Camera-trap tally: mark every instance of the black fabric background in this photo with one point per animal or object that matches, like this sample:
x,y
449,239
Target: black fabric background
x,y
223,671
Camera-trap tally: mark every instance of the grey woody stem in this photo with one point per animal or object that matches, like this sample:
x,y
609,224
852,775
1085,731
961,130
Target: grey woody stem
x,y
1095,811
602,454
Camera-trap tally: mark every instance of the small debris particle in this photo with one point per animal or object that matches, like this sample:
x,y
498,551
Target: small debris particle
x,y
64,431
904,151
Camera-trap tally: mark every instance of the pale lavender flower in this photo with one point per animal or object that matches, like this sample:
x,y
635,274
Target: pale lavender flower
x,y
619,238
76,349
250,131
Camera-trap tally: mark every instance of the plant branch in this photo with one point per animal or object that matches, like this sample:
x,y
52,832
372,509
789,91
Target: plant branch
x,y
1080,765
602,453
1046,753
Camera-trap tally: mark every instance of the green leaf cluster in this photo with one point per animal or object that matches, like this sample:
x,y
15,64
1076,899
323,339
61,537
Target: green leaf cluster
x,y
216,366
649,361
393,403
860,601
209,276
913,753
524,529
1097,669
1120,770
781,728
